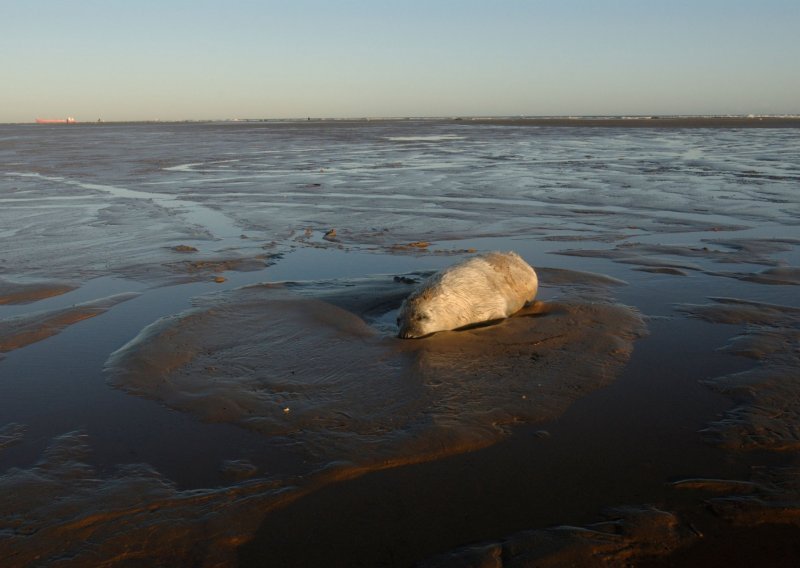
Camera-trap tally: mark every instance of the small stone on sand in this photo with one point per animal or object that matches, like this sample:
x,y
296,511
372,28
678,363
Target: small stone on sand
x,y
184,248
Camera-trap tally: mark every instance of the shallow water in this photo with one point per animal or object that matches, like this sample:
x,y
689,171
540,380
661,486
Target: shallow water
x,y
209,388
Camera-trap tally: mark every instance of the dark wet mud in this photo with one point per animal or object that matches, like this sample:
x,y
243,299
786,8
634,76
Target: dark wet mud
x,y
198,361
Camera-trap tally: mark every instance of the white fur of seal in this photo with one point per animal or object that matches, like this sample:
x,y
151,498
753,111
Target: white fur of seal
x,y
485,287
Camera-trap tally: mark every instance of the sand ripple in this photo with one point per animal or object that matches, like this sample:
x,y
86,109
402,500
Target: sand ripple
x,y
768,412
630,533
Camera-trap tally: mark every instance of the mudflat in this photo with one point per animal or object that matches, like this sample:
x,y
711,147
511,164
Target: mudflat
x,y
199,361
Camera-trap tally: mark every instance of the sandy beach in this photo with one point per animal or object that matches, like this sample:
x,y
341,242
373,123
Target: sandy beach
x,y
199,362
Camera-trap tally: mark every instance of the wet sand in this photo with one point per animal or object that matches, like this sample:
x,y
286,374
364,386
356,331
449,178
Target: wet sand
x,y
199,364
25,293
315,376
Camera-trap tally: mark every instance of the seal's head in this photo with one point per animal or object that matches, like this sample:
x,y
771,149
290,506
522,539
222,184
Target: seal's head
x,y
421,315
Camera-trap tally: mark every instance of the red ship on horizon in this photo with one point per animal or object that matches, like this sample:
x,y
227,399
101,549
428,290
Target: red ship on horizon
x,y
68,120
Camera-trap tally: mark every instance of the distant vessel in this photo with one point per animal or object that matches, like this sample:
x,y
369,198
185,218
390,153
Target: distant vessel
x,y
68,120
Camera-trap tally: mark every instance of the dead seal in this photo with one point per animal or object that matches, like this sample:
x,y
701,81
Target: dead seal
x,y
483,288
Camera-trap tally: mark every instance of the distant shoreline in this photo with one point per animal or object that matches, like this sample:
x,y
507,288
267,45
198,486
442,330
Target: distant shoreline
x,y
789,121
648,122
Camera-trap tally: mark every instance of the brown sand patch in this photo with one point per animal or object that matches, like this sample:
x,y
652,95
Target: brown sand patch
x,y
760,249
19,293
416,245
628,534
772,497
563,276
663,270
787,275
184,248
592,237
20,331
724,251
214,266
200,268
779,276
64,512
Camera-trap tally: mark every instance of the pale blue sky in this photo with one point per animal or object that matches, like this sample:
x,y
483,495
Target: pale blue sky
x,y
198,59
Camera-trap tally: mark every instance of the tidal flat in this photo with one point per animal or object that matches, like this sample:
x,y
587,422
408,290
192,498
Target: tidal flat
x,y
199,363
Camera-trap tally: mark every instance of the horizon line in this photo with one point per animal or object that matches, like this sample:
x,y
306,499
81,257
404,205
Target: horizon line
x,y
72,121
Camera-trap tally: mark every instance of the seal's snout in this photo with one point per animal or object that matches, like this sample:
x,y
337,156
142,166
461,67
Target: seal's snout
x,y
406,330
405,334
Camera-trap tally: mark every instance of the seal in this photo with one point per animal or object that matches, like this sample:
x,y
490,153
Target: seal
x,y
483,288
